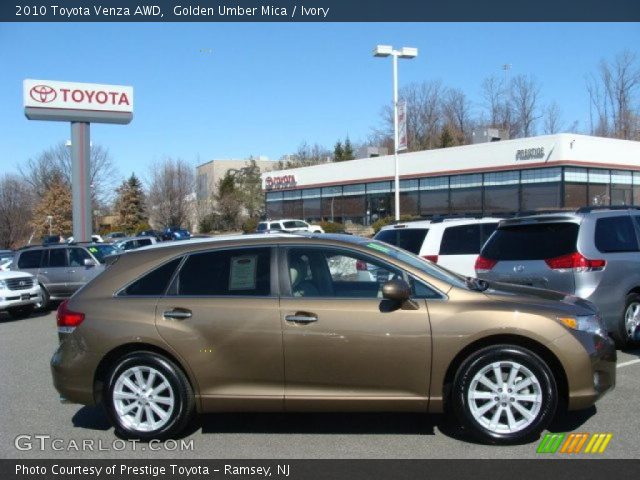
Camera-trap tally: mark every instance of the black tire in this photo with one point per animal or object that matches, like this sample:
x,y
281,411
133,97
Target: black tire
x,y
45,303
504,353
21,312
184,403
621,336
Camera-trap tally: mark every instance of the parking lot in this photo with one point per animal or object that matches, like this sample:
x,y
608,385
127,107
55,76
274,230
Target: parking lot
x,y
31,408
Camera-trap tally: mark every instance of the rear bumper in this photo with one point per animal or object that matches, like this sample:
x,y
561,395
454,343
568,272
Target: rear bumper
x,y
72,370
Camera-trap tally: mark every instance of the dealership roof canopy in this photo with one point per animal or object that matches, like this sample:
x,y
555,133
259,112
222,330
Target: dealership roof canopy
x,y
533,152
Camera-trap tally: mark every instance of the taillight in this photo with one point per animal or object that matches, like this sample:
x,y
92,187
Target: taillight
x,y
361,265
575,261
431,258
68,319
484,264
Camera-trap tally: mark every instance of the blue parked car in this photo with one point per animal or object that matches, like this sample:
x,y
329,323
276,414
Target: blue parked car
x,y
176,233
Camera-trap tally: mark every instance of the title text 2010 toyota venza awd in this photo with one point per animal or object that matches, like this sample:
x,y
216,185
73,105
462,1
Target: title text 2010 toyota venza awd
x,y
286,322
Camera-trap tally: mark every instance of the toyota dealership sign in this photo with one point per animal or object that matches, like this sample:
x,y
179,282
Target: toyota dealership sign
x,y
77,102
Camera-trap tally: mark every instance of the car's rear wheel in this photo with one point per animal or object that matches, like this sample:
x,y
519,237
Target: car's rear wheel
x,y
21,312
504,394
629,326
148,397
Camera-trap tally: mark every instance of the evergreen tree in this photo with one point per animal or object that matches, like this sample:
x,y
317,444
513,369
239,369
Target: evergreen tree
x,y
55,202
348,150
338,152
129,205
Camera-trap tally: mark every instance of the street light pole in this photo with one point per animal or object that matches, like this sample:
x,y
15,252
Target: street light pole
x,y
404,52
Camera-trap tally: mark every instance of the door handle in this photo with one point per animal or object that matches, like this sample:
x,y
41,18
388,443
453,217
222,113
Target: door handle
x,y
301,317
177,314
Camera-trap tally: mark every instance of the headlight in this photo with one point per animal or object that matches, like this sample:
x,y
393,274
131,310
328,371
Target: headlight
x,y
585,323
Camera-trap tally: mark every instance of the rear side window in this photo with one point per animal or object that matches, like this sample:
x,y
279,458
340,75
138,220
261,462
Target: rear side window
x,y
461,240
275,226
143,242
615,234
153,283
290,224
532,242
238,272
30,259
409,239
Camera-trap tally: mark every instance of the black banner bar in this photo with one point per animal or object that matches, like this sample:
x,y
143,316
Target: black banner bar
x,y
578,469
319,11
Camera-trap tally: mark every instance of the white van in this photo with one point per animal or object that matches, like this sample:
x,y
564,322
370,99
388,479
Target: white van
x,y
453,243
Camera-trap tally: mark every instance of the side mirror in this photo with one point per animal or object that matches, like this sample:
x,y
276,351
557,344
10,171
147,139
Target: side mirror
x,y
396,290
89,262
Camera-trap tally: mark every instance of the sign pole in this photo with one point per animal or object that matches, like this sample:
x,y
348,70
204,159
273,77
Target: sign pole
x,y
80,181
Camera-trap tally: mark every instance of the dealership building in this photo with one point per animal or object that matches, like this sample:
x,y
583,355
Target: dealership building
x,y
543,173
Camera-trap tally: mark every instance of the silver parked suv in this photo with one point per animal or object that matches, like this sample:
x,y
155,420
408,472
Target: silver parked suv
x,y
59,268
593,253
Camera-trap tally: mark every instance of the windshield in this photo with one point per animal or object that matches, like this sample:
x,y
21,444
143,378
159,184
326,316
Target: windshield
x,y
417,262
102,251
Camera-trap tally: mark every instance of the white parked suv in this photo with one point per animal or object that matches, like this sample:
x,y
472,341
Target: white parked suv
x,y
19,293
288,225
453,243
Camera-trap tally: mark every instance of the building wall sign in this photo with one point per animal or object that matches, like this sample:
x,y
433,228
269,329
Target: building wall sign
x,y
283,181
530,153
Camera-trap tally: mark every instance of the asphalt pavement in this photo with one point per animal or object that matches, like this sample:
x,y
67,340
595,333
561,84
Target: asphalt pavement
x,y
33,423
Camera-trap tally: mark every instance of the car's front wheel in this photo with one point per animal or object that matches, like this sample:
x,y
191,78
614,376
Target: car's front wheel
x,y
148,397
504,394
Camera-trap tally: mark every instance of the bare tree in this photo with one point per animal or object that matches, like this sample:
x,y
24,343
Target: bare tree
x,y
306,155
16,205
613,92
171,193
424,116
55,162
552,118
497,95
457,114
524,97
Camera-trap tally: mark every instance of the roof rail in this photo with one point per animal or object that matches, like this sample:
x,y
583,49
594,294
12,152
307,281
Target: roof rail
x,y
604,207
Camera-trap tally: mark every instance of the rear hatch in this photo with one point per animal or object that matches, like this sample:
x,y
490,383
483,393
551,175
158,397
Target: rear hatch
x,y
409,239
536,253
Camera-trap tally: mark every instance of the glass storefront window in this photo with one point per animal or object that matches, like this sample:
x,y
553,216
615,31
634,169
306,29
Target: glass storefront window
x,y
311,209
578,175
501,198
408,203
575,195
501,178
465,181
331,191
434,183
466,200
409,185
274,196
434,202
331,208
353,189
292,209
540,196
311,193
541,175
599,194
379,187
599,176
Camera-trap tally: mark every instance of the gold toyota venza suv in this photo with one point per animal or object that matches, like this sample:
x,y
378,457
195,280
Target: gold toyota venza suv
x,y
289,322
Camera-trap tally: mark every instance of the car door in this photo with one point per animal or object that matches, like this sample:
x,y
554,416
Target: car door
x,y
344,347
221,315
54,273
79,273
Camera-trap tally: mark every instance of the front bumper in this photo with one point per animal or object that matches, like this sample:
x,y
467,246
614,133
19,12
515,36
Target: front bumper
x,y
19,298
589,376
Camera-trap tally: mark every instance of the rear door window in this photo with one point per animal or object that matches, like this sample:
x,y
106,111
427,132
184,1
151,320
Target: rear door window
x,y
237,272
409,239
616,234
461,240
30,259
290,224
532,242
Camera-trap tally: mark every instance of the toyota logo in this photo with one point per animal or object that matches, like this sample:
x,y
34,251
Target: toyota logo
x,y
22,283
518,268
43,93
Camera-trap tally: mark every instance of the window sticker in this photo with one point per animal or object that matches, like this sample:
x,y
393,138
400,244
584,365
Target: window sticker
x,y
242,274
380,248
